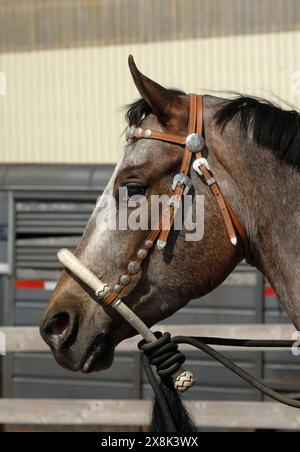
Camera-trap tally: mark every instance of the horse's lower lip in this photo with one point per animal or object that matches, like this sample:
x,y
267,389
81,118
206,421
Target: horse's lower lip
x,y
96,353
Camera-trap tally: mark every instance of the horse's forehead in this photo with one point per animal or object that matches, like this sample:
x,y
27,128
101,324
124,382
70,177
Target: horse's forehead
x,y
142,151
138,154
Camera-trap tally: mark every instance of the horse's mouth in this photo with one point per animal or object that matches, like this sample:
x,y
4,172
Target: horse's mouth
x,y
99,356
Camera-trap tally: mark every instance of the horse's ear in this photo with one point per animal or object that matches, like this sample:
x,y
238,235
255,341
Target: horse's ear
x,y
163,102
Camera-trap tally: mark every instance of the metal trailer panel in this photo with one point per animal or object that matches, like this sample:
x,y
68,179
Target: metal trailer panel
x,y
4,267
53,177
44,366
38,213
67,389
3,229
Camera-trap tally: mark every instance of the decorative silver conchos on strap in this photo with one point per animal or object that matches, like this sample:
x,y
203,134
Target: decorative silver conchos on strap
x,y
130,132
195,142
137,132
125,279
134,267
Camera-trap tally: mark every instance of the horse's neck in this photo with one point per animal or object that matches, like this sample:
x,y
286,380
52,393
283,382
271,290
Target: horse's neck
x,y
265,194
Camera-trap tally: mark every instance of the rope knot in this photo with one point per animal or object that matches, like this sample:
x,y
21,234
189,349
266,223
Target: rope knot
x,y
163,354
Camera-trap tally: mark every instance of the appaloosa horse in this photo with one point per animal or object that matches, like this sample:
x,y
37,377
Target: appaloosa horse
x,y
253,148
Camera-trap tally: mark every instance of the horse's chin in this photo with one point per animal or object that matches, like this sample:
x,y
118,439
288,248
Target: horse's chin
x,y
100,363
98,356
100,360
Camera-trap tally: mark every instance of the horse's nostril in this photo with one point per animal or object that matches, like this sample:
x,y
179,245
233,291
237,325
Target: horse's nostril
x,y
59,330
58,325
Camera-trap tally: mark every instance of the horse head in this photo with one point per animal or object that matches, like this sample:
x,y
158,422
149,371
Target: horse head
x,y
82,332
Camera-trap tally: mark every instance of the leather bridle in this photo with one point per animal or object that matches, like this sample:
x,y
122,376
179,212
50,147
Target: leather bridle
x,y
194,145
161,350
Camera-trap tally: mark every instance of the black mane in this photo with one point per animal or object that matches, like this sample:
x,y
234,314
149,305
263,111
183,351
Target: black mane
x,y
138,110
269,126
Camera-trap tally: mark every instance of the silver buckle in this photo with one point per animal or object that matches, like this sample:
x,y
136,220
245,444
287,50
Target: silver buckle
x,y
197,163
183,180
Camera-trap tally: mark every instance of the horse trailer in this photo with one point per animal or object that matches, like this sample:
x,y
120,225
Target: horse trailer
x,y
44,208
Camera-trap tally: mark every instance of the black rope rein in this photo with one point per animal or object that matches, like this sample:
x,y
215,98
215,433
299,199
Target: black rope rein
x,y
165,356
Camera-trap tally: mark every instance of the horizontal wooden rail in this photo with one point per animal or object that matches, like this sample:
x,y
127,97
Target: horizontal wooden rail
x,y
232,415
27,339
235,415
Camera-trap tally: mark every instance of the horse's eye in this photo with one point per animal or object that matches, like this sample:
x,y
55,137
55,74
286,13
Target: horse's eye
x,y
135,190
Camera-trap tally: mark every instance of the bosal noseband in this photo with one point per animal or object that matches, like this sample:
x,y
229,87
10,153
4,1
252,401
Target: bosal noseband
x,y
194,144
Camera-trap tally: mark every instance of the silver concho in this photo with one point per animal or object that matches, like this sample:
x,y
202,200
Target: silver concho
x,y
139,132
134,267
130,132
195,142
149,244
118,288
161,245
148,133
125,279
142,254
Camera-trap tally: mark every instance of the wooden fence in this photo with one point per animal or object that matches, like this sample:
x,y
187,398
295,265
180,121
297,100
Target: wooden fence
x,y
235,415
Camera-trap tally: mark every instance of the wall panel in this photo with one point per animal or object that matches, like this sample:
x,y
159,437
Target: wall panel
x,y
64,105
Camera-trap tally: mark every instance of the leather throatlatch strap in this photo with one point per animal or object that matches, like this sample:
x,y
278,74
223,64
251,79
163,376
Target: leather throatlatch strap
x,y
210,179
231,221
162,231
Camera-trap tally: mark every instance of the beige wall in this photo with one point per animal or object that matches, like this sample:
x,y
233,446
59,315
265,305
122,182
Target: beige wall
x,y
63,105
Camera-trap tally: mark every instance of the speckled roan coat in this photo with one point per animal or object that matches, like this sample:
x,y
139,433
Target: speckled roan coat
x,y
264,192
